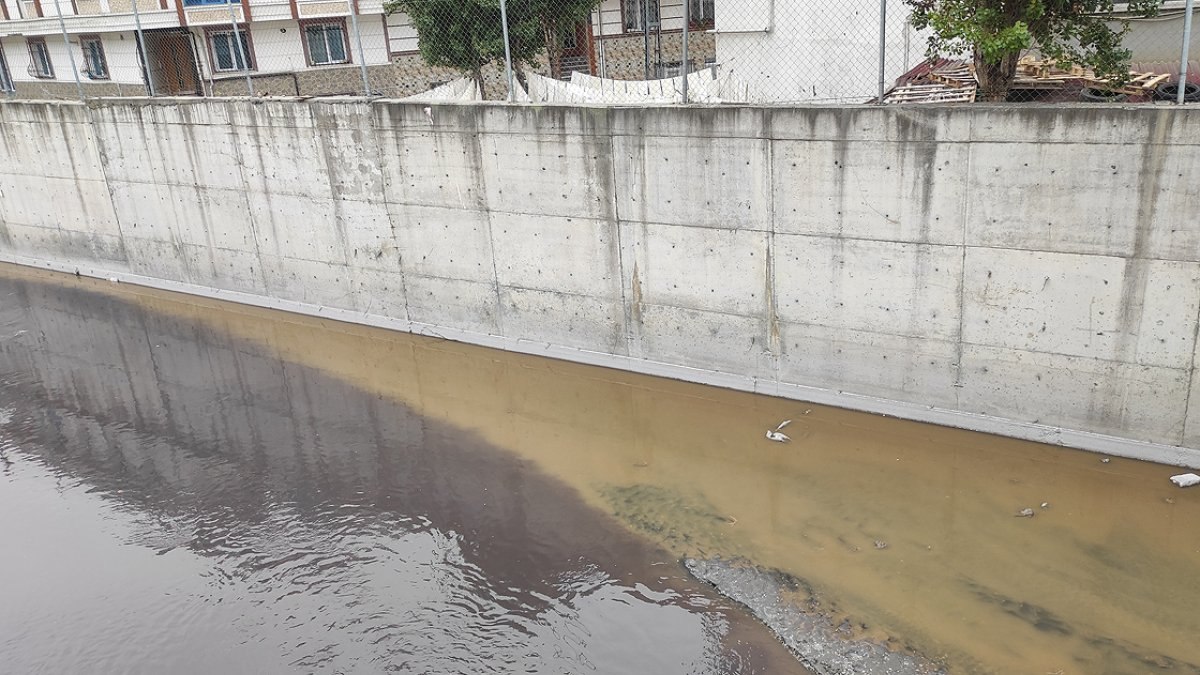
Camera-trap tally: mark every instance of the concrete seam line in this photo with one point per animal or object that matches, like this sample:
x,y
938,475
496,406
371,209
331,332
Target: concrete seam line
x,y
1099,443
1188,410
235,141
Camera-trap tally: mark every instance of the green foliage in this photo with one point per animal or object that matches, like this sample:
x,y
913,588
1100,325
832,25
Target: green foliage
x,y
467,34
1079,32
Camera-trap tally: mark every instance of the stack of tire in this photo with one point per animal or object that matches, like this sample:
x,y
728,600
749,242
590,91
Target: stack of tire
x,y
1168,91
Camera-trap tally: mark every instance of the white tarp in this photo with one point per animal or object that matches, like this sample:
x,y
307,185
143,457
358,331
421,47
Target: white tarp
x,y
704,86
462,89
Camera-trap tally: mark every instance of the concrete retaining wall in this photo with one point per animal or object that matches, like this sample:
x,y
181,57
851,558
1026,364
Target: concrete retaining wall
x,y
1023,270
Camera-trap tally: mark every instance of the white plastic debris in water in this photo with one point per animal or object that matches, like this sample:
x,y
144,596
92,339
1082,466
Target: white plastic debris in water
x,y
777,434
1186,479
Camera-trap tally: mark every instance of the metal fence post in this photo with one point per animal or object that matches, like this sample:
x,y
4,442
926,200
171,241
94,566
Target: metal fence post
x,y
687,10
67,43
882,48
1189,8
237,39
141,40
352,5
508,69
646,36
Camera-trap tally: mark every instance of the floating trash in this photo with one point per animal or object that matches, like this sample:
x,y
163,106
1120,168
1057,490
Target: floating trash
x,y
1186,479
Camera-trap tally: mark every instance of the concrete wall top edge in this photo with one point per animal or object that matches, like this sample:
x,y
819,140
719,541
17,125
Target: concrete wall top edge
x,y
999,123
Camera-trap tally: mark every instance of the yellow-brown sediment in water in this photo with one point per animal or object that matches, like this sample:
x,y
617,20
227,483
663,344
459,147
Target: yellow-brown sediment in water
x,y
1106,578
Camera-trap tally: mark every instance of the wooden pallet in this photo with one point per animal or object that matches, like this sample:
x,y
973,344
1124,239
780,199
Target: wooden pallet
x,y
1139,84
961,75
1037,83
930,93
1035,73
1048,69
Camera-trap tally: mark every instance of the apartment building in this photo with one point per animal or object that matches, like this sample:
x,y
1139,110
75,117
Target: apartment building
x,y
192,47
297,47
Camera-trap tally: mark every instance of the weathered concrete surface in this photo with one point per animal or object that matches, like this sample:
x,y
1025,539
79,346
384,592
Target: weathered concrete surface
x,y
1021,270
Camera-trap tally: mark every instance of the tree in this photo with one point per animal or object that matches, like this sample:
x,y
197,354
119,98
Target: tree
x,y
995,32
467,34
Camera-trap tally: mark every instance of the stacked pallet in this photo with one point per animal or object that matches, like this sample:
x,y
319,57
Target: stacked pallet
x,y
952,82
961,74
1139,84
1033,73
930,93
1043,74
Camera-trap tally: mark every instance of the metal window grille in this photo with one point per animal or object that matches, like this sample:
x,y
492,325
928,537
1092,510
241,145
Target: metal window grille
x,y
39,59
639,14
326,43
6,83
227,57
96,66
703,12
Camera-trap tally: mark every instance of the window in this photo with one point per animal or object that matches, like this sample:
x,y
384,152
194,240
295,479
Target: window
x,y
700,13
325,43
39,59
95,65
6,83
636,12
226,55
200,3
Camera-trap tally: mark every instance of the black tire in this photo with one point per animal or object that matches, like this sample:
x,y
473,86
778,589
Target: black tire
x,y
1169,91
1100,96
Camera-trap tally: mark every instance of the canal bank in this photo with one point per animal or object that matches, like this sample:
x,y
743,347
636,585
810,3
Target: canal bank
x,y
1031,271
1090,583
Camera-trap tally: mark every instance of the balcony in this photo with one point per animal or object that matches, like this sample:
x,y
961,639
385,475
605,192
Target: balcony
x,y
88,16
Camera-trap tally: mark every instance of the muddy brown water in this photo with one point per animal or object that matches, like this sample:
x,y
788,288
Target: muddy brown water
x,y
175,498
315,494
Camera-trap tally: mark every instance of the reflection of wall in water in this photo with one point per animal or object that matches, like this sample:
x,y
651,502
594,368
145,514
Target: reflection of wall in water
x,y
173,410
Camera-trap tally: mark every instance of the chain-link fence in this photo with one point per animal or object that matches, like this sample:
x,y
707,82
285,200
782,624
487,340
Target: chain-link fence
x,y
589,51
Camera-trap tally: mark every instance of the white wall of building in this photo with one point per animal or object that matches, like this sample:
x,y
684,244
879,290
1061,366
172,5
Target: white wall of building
x,y
16,49
1160,39
401,34
15,55
813,51
120,50
51,8
279,48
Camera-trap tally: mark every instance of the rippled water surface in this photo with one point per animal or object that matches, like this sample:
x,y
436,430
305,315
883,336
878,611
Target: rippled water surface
x,y
190,485
178,499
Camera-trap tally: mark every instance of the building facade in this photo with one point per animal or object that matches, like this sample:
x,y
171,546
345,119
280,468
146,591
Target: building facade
x,y
298,47
782,51
192,47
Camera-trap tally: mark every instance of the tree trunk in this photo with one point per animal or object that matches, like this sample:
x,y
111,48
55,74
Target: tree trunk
x,y
995,79
553,49
477,75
